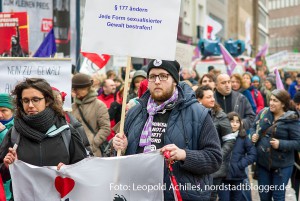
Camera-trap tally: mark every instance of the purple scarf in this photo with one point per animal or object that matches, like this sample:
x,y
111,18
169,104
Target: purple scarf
x,y
152,109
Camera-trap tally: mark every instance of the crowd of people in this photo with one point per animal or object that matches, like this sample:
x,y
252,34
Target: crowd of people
x,y
214,126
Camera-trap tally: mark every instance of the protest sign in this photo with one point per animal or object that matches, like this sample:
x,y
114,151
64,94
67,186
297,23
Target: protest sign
x,y
13,34
135,178
278,60
131,28
184,54
55,71
293,62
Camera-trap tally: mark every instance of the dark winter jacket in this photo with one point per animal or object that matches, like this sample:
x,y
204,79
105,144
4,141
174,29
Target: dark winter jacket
x,y
248,95
258,98
239,104
223,127
286,130
190,127
49,152
243,154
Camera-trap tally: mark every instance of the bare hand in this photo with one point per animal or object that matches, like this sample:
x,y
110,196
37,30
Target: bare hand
x,y
274,143
120,143
2,127
60,165
255,138
10,157
176,154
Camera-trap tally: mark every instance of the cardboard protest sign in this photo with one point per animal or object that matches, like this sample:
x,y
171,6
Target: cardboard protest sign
x,y
146,29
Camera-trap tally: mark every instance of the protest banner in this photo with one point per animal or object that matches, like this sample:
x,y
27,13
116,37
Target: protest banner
x,y
184,54
131,28
37,11
135,178
13,34
278,60
293,62
55,71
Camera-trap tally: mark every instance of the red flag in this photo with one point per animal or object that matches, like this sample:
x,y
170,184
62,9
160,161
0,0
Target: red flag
x,y
99,59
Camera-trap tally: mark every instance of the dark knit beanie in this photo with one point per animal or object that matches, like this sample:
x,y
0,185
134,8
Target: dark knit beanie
x,y
171,66
81,80
6,101
296,98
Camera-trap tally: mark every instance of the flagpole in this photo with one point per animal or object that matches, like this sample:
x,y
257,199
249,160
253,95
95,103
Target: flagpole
x,y
124,100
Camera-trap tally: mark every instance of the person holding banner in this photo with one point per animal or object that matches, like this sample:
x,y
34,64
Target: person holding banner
x,y
6,122
168,117
39,130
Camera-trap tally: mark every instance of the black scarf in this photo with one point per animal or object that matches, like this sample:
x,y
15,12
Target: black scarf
x,y
36,126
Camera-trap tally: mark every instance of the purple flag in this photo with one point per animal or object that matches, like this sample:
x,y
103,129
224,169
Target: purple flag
x,y
279,84
228,59
48,46
262,52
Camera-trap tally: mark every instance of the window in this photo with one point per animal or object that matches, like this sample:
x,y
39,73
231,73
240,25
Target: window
x,y
282,3
274,4
292,3
287,21
262,18
287,3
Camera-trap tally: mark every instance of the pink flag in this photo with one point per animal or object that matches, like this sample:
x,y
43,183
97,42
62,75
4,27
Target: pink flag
x,y
228,59
263,51
279,84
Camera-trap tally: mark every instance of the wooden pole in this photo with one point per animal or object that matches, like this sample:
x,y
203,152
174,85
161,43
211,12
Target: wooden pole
x,y
125,92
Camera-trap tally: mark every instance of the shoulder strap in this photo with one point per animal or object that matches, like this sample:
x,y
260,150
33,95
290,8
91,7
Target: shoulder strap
x,y
66,135
15,136
86,123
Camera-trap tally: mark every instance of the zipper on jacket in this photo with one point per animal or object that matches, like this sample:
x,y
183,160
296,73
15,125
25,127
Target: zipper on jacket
x,y
224,100
41,160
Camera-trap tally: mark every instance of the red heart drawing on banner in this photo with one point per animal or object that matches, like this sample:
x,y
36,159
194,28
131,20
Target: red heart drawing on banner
x,y
64,185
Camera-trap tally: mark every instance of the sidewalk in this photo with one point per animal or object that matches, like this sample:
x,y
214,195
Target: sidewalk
x,y
289,195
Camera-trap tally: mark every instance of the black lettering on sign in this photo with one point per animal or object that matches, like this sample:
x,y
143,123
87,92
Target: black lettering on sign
x,y
48,70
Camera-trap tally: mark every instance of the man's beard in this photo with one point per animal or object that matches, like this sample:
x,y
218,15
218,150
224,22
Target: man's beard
x,y
165,96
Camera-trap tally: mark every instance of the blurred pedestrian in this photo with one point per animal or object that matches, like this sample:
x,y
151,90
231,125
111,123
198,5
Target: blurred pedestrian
x,y
90,111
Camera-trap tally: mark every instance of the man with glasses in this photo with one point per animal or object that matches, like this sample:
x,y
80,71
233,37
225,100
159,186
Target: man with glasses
x,y
169,118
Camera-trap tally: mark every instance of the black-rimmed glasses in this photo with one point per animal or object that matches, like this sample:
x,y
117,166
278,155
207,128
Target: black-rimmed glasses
x,y
35,101
161,77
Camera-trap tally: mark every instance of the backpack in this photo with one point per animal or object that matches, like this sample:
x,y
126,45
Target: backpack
x,y
66,135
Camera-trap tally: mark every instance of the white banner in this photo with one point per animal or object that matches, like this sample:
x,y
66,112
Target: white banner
x,y
37,10
57,72
129,178
146,29
294,62
278,60
184,54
